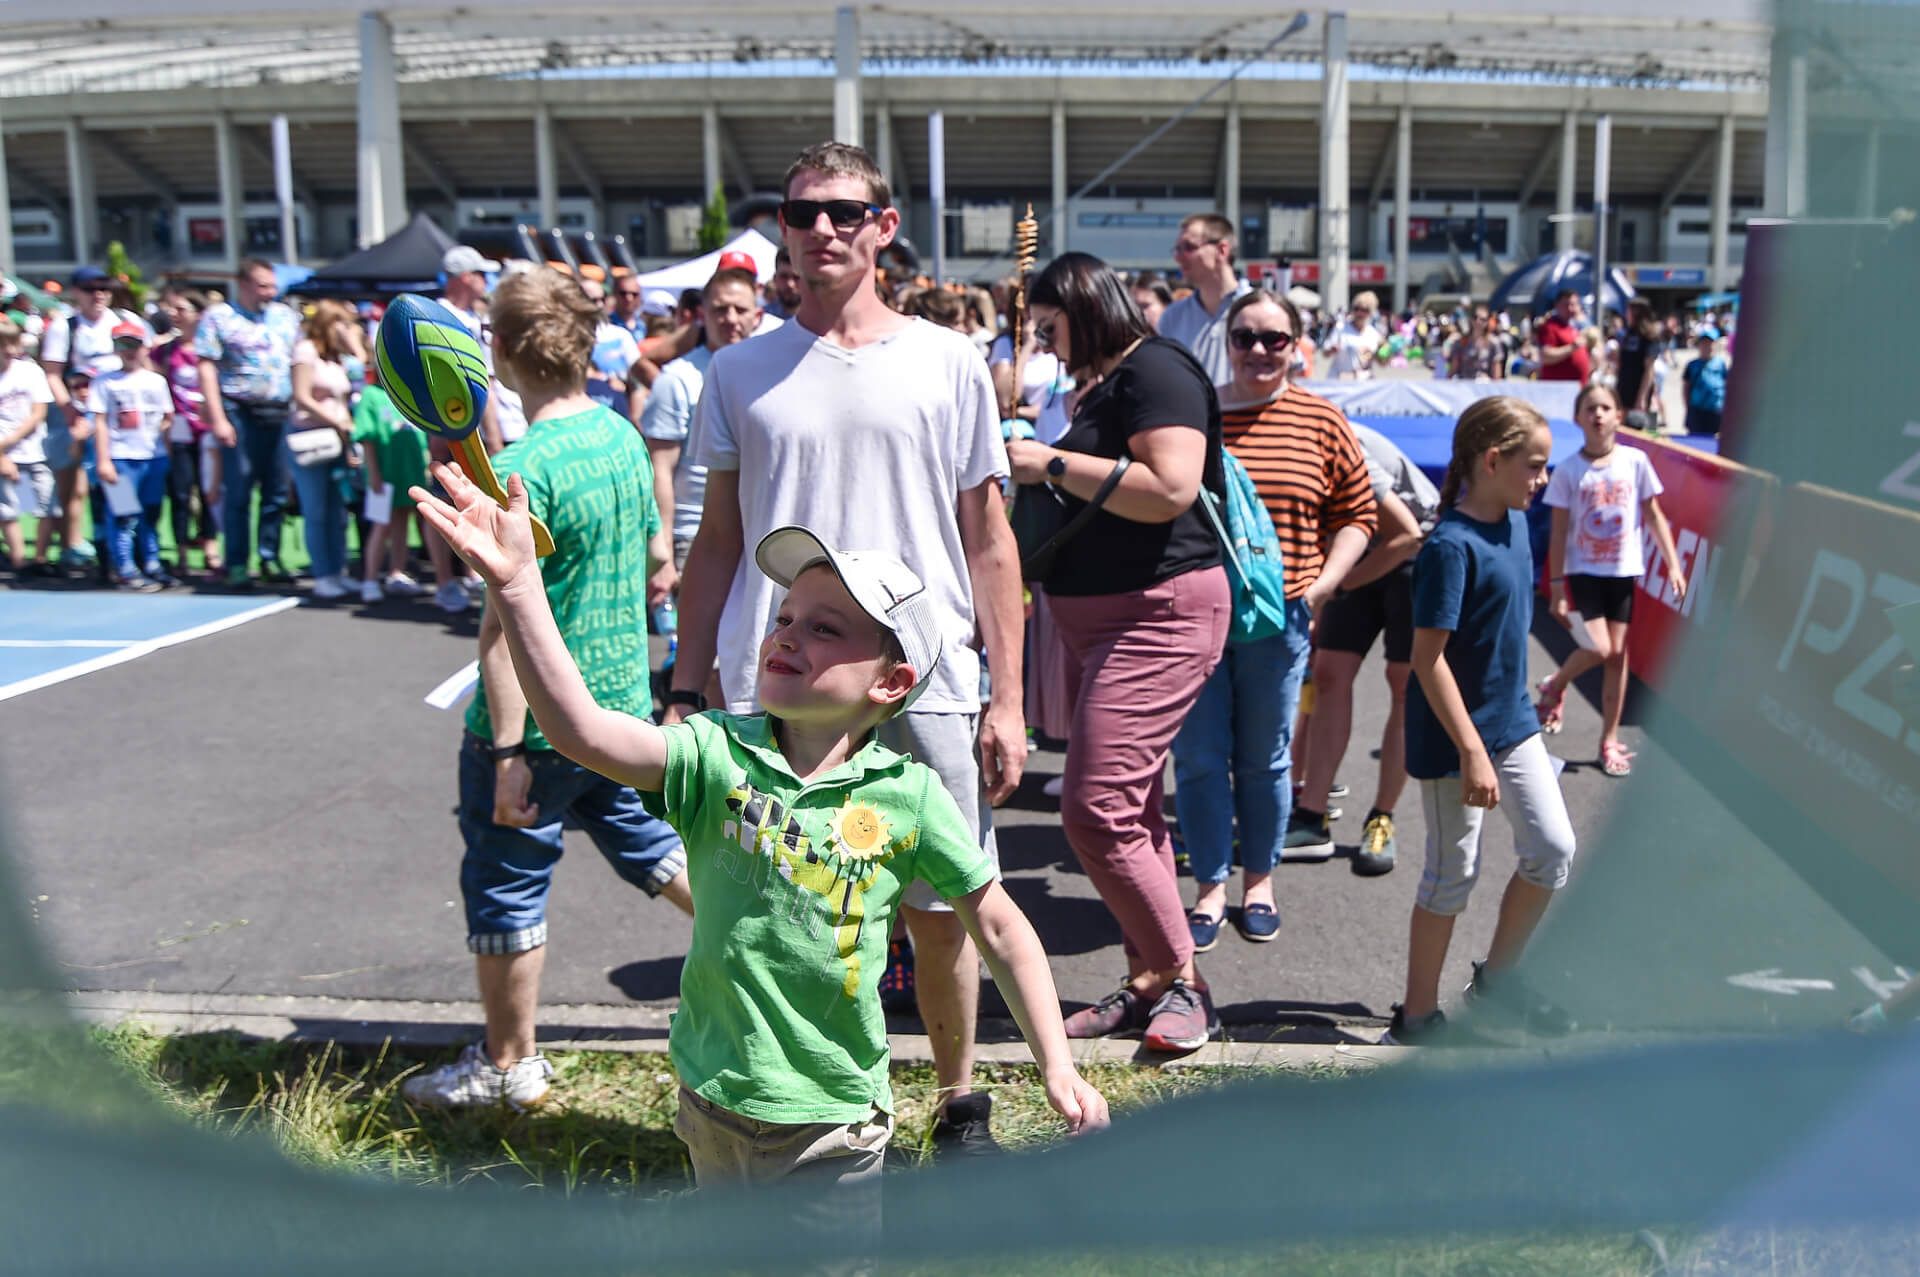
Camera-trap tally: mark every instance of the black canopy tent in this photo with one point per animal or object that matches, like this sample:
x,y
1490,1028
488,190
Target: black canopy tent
x,y
407,261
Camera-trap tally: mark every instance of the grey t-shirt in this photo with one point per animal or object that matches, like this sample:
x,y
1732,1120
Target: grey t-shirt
x,y
1391,470
668,418
870,449
1203,334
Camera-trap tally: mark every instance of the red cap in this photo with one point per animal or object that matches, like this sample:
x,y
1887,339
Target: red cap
x,y
130,332
737,260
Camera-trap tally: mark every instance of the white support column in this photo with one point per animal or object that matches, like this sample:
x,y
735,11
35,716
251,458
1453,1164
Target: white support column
x,y
710,151
1870,171
381,163
1563,198
546,167
883,146
846,75
1719,273
83,209
937,190
1230,169
1786,169
1602,175
1402,202
1062,214
233,194
1335,185
283,190
6,207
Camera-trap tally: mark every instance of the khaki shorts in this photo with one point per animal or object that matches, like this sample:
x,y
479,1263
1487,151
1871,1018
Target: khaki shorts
x,y
729,1150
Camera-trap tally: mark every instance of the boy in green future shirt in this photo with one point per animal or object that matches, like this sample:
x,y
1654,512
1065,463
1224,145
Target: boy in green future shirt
x,y
801,830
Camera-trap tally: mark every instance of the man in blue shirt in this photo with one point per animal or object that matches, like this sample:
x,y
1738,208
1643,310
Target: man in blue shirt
x,y
1706,382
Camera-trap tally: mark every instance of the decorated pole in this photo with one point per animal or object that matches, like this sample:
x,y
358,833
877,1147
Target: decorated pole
x,y
1026,248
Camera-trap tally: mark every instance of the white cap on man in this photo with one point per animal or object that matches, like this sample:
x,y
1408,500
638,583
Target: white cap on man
x,y
659,301
885,588
462,258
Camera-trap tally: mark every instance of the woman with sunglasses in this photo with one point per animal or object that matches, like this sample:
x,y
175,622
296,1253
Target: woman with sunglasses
x,y
1232,761
1140,599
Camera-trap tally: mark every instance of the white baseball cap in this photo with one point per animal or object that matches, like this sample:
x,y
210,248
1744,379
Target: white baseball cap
x,y
461,258
659,301
885,588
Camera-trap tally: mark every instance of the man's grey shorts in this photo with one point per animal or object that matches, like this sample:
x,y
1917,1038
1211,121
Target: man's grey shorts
x,y
30,496
948,743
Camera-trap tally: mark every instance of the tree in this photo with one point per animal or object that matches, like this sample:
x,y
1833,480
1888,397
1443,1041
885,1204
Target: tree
x,y
714,227
122,267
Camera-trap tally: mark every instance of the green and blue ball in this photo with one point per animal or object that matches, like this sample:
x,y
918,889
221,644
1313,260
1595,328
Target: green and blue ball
x,y
431,367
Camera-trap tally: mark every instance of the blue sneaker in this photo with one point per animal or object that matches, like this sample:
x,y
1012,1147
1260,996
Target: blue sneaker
x,y
1258,923
1205,929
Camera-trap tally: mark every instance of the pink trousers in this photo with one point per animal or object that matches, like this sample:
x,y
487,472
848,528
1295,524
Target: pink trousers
x,y
1136,663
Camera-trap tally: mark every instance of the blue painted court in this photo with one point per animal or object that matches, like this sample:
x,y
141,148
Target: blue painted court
x,y
47,637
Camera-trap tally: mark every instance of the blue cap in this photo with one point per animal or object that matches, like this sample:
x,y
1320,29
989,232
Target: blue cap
x,y
1707,330
90,275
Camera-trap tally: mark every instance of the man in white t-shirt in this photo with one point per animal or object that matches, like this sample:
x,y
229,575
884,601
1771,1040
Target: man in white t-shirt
x,y
875,430
1355,341
26,481
82,341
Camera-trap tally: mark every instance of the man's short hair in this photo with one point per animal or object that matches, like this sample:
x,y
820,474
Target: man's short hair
x,y
252,264
690,298
782,257
545,324
732,276
1215,225
837,159
1563,294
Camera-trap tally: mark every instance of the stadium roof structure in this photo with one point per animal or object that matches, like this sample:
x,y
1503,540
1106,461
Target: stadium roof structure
x,y
56,47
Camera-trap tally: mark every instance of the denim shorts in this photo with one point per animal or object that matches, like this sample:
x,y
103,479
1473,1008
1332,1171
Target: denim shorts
x,y
505,872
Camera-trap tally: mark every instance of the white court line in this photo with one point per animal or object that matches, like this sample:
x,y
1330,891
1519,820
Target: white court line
x,y
69,642
146,647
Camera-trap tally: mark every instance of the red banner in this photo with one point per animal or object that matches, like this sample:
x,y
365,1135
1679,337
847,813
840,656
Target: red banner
x,y
1700,491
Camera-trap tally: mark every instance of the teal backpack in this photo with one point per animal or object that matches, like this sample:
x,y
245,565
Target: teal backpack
x,y
1252,549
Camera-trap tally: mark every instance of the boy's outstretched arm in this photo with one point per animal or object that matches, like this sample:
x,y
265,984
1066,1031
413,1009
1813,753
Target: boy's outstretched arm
x,y
1019,965
499,545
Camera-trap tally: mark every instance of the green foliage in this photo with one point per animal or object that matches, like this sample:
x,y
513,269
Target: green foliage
x,y
714,227
121,266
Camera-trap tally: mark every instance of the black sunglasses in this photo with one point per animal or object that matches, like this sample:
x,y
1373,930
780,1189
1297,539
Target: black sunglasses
x,y
844,214
1272,339
1043,334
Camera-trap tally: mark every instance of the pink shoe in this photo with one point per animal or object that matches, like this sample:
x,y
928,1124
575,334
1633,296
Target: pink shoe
x,y
1550,706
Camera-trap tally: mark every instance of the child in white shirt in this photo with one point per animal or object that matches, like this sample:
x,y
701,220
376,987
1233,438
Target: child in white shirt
x,y
26,481
1601,498
132,408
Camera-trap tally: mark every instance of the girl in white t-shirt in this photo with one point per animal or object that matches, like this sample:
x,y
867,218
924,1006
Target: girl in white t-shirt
x,y
1602,498
132,411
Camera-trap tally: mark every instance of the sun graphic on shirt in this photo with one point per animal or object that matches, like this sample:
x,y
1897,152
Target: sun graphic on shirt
x,y
859,830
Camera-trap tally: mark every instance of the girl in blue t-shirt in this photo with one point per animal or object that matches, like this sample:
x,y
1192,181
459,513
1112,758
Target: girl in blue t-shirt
x,y
1472,739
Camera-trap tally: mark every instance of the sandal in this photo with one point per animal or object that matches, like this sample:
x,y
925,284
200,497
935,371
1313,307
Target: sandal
x,y
1616,759
1549,709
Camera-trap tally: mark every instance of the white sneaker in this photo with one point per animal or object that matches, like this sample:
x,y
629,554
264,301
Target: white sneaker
x,y
452,597
472,1081
402,586
370,592
329,587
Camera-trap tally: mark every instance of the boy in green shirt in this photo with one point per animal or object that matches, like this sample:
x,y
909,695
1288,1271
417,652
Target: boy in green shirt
x,y
396,455
802,830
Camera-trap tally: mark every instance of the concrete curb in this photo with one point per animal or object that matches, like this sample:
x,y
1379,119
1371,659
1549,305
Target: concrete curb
x,y
629,1029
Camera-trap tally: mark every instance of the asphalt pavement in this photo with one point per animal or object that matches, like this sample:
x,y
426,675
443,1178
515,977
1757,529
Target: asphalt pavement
x,y
268,810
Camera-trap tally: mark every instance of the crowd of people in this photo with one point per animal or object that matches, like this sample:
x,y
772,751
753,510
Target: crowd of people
x,y
806,485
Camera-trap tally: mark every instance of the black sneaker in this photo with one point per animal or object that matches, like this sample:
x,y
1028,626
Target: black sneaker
x,y
1505,996
1309,837
965,1129
1428,1030
1374,855
896,982
274,572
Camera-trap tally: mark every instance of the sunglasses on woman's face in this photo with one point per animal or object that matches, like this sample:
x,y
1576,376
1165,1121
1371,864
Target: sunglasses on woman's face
x,y
1043,333
844,214
1272,338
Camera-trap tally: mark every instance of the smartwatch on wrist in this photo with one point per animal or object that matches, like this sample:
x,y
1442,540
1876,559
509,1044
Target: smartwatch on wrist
x,y
501,753
1057,467
683,696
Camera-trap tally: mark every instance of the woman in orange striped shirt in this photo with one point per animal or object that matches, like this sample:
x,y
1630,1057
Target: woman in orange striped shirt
x,y
1233,758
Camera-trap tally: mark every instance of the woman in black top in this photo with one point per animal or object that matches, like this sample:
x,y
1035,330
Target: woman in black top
x,y
1141,600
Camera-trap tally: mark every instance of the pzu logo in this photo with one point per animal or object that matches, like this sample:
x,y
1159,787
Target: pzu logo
x,y
1834,577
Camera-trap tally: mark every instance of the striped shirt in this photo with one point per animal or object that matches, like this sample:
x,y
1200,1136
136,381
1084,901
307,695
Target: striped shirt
x,y
1307,464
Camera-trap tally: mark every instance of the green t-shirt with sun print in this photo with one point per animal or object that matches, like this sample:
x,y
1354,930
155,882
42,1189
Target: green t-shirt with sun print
x,y
795,887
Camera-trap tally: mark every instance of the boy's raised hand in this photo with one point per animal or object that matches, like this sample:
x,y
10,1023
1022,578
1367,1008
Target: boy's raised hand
x,y
497,542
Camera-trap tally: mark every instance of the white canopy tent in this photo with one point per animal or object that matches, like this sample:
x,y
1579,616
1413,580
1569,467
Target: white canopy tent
x,y
696,271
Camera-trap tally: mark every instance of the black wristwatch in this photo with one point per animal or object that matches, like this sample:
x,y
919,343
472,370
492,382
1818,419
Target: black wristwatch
x,y
501,753
683,696
1057,467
